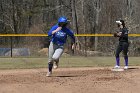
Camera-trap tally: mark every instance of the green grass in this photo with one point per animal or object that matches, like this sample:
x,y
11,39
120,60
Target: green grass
x,y
28,63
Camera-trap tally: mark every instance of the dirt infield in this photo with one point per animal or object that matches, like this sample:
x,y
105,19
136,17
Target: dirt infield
x,y
70,80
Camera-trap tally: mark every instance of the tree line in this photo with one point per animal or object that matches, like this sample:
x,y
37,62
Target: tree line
x,y
86,17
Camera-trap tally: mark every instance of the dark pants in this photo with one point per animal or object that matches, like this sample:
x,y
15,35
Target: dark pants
x,y
123,46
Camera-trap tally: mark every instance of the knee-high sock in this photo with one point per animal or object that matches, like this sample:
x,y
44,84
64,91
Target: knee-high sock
x,y
118,61
50,66
126,60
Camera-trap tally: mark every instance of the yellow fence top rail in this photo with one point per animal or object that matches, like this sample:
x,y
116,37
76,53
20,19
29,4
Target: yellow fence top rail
x,y
78,35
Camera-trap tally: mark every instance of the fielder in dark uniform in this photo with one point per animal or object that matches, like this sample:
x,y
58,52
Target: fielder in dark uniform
x,y
123,43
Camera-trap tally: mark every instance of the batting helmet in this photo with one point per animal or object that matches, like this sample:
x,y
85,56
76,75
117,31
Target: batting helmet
x,y
62,19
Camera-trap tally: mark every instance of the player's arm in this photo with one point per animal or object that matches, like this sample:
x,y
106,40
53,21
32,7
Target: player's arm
x,y
124,33
58,29
71,34
53,30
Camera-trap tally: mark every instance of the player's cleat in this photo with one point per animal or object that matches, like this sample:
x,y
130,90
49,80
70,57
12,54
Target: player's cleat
x,y
49,74
55,65
126,67
117,67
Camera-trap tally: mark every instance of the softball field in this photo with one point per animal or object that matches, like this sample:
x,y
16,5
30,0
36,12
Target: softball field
x,y
75,75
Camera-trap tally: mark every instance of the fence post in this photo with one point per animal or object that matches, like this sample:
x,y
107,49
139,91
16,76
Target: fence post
x,y
85,46
11,46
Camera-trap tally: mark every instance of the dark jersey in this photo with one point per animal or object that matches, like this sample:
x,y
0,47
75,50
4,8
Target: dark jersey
x,y
124,35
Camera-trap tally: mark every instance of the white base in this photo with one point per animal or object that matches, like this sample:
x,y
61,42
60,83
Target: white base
x,y
120,69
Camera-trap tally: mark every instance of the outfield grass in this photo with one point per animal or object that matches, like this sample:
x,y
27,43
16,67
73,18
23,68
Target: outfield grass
x,y
20,63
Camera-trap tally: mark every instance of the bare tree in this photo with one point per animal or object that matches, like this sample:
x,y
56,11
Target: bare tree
x,y
97,8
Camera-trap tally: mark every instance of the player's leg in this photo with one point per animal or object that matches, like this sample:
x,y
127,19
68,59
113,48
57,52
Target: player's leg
x,y
118,50
57,54
125,52
50,59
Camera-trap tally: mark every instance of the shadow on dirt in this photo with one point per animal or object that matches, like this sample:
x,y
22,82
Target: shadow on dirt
x,y
69,76
133,68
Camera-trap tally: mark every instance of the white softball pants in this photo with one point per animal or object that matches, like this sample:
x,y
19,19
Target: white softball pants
x,y
55,52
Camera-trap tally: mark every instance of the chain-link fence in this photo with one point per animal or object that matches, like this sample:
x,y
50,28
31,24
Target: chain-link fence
x,y
37,46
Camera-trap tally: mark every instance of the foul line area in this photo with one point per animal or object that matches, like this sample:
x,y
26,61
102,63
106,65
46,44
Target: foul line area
x,y
78,35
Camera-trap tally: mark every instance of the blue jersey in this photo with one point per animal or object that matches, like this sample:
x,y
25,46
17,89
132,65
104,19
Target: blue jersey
x,y
60,37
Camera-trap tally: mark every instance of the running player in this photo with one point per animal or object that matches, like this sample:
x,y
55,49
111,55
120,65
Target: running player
x,y
58,34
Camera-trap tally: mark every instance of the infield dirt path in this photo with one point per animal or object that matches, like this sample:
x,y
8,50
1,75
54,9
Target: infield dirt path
x,y
70,80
